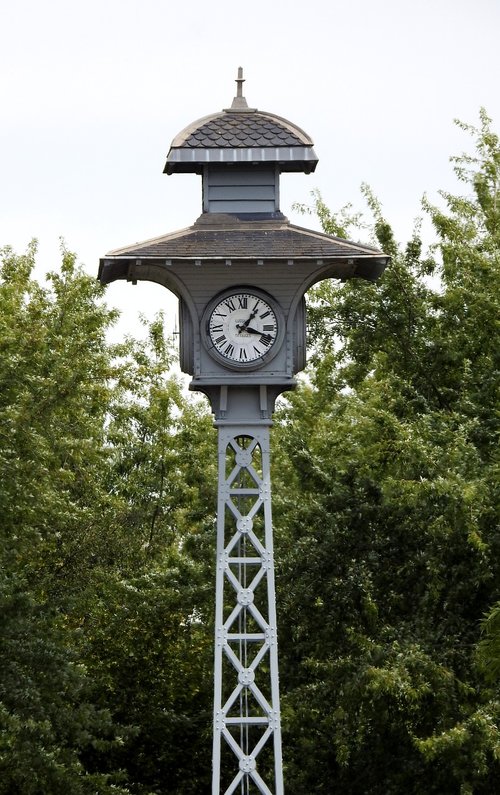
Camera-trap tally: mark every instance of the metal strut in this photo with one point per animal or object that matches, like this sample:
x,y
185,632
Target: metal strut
x,y
246,686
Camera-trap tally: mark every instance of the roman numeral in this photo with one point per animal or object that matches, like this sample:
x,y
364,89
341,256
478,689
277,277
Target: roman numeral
x,y
230,305
220,339
270,327
243,301
229,350
266,340
243,354
219,327
265,314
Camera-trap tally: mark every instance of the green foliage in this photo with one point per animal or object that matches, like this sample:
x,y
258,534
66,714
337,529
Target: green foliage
x,y
488,651
98,498
387,513
48,717
148,647
55,388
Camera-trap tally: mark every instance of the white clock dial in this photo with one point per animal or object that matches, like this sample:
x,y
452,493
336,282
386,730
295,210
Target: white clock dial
x,y
243,328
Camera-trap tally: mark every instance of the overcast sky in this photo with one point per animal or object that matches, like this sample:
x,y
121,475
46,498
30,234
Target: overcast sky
x,y
92,94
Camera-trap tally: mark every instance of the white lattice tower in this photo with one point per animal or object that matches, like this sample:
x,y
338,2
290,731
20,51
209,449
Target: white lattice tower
x,y
247,731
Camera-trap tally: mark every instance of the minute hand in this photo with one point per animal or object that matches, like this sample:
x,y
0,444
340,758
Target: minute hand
x,y
244,325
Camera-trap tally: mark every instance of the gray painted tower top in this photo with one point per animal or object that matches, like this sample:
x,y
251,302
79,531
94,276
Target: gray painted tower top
x,y
241,136
241,241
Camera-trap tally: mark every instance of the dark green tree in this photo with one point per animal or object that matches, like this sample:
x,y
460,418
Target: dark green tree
x,y
54,390
387,512
98,500
147,626
49,719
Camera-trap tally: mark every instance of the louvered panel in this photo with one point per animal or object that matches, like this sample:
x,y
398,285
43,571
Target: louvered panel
x,y
247,192
240,176
236,206
240,191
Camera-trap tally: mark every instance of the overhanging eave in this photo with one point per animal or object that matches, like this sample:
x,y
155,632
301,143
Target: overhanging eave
x,y
135,269
287,158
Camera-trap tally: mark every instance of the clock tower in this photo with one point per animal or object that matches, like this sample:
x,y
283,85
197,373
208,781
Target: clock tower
x,y
240,273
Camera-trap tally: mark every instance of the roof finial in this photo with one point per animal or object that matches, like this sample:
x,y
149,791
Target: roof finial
x,y
239,101
239,82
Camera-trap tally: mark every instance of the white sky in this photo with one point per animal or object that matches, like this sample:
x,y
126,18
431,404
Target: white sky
x,y
92,94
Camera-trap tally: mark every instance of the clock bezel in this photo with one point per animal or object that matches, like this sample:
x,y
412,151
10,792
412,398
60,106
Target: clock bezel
x,y
260,361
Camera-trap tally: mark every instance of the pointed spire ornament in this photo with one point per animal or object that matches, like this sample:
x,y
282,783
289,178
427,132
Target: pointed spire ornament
x,y
239,101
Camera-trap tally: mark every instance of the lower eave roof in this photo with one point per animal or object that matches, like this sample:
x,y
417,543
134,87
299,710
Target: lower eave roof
x,y
216,237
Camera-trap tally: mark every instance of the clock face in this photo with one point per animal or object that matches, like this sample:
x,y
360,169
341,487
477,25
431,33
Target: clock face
x,y
243,328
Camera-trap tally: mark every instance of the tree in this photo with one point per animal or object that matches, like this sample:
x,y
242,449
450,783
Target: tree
x,y
97,501
147,625
55,391
489,646
48,717
385,508
53,373
388,548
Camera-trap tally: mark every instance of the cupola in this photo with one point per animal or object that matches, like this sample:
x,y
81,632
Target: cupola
x,y
240,153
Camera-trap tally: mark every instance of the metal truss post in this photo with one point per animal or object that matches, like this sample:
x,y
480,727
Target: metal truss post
x,y
247,729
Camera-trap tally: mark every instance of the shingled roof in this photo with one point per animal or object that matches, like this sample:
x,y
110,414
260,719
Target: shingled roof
x,y
240,134
229,129
215,237
241,222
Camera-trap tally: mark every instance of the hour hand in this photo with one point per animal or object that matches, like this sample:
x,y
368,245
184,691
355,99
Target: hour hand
x,y
252,330
244,325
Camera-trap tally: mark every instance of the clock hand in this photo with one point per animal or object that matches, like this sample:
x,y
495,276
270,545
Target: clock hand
x,y
244,326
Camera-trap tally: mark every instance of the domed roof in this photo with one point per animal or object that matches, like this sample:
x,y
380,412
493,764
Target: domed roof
x,y
240,134
245,129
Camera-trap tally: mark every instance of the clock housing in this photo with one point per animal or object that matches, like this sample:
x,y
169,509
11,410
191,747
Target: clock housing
x,y
243,328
